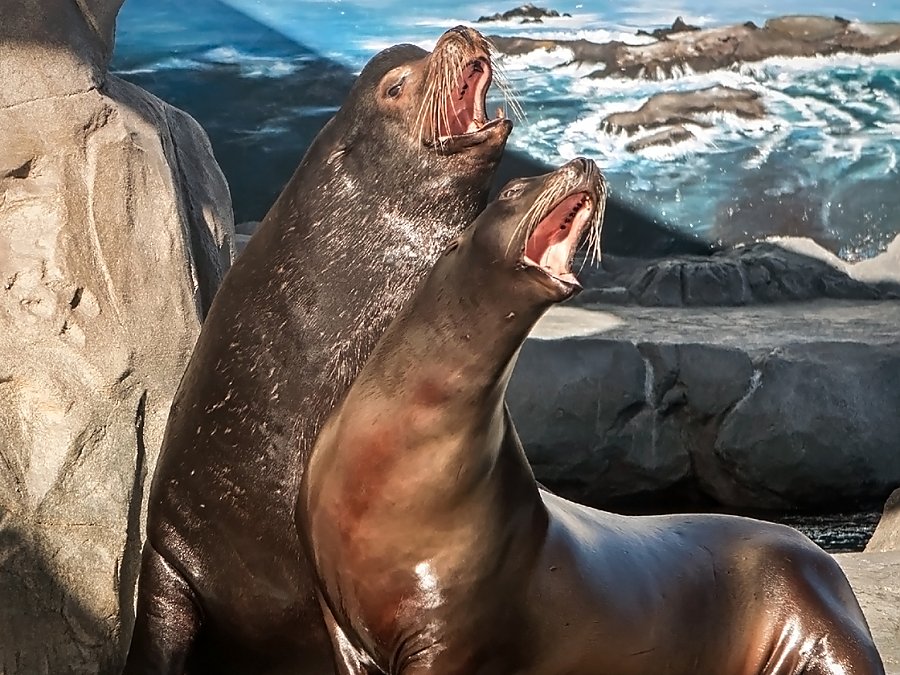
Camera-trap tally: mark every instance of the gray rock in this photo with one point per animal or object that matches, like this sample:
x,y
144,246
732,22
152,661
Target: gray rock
x,y
583,408
783,270
788,406
887,535
819,426
527,13
115,229
248,227
678,26
671,136
873,577
683,107
242,233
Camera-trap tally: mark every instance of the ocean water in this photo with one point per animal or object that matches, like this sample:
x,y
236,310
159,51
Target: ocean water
x,y
263,75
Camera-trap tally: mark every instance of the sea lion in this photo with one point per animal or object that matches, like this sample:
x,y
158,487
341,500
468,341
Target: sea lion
x,y
437,552
399,170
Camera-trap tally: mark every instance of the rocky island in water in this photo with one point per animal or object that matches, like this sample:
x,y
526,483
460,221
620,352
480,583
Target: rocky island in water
x,y
685,49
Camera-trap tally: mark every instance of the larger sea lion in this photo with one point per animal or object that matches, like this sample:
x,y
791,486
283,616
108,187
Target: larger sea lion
x,y
438,553
397,173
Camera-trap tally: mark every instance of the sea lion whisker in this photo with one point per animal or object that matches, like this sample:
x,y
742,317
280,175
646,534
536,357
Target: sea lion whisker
x,y
596,226
510,95
532,216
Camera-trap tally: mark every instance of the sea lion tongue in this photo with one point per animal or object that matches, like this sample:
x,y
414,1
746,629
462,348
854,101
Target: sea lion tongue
x,y
467,102
552,244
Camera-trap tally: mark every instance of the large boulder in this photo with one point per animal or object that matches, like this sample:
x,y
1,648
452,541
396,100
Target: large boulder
x,y
767,407
820,423
887,535
115,230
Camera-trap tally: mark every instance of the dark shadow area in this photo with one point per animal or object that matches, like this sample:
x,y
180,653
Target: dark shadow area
x,y
263,97
42,624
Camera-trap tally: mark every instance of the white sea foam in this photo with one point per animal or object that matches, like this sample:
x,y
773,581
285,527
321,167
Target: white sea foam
x,y
168,63
253,65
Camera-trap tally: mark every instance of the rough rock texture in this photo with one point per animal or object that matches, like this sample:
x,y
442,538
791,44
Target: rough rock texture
x,y
714,48
887,534
77,37
782,270
115,229
873,577
761,407
682,107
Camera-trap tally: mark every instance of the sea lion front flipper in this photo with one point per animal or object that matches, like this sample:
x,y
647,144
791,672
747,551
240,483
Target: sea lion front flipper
x,y
348,660
167,619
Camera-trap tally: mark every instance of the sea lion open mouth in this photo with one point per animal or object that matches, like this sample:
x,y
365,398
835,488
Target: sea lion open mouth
x,y
552,243
454,109
464,115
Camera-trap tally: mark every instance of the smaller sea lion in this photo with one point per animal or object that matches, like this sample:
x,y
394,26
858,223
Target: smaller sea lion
x,y
437,552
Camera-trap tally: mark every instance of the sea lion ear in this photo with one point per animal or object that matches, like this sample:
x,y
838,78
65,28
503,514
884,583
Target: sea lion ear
x,y
452,246
336,154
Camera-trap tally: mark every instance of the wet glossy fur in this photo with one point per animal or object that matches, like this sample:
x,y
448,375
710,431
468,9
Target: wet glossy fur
x,y
224,587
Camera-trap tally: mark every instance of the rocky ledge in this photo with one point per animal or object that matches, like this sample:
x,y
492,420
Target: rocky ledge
x,y
772,406
763,377
710,49
786,269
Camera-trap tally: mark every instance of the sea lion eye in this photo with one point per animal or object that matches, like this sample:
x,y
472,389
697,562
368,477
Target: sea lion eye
x,y
396,89
512,191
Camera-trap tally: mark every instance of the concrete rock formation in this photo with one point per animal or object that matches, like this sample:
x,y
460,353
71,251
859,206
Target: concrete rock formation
x,y
779,270
115,230
771,407
887,534
715,48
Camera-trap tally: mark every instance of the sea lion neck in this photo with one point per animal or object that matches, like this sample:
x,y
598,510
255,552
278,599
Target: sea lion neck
x,y
468,319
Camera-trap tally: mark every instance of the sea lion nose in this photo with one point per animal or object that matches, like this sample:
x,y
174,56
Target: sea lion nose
x,y
466,33
579,166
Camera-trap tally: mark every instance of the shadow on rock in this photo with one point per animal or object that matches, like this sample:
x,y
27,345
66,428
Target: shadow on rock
x,y
42,622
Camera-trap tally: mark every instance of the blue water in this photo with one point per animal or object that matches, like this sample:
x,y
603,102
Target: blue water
x,y
823,162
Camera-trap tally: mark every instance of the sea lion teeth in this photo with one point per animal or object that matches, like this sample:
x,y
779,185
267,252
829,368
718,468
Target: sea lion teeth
x,y
501,114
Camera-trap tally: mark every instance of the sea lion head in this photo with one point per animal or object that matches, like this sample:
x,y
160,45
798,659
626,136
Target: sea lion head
x,y
531,230
427,110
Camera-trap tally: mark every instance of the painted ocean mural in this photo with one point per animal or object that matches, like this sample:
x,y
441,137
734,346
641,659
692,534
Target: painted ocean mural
x,y
819,156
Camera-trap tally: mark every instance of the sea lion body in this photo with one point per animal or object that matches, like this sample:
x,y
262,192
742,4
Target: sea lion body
x,y
402,167
437,552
